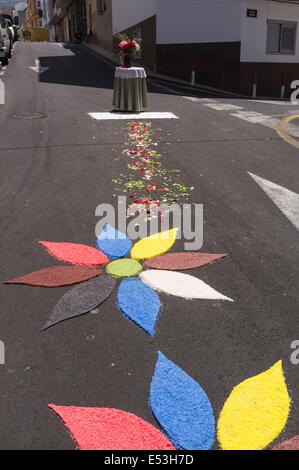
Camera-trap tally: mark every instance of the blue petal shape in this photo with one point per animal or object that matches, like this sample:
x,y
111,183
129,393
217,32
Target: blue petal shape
x,y
113,243
139,303
181,407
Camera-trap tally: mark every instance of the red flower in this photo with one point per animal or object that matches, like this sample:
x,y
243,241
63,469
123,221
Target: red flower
x,y
129,46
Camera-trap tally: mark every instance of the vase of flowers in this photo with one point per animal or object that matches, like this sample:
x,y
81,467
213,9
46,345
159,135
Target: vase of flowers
x,y
128,49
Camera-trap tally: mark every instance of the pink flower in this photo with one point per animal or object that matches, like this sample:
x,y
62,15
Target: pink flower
x,y
122,44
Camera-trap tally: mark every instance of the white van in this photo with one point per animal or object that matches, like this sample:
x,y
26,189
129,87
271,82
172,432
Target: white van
x,y
5,44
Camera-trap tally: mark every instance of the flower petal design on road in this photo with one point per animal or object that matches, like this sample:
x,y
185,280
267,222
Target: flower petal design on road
x,y
290,444
113,243
180,285
110,429
181,261
256,412
124,268
139,303
181,407
57,276
154,245
75,253
81,299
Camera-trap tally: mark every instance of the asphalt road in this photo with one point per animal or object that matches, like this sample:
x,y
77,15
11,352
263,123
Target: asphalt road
x,y
57,169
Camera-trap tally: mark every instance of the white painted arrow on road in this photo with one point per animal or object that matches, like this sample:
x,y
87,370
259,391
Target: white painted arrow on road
x,y
287,201
38,68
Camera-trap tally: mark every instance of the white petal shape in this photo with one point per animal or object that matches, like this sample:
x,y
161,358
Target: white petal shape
x,y
181,285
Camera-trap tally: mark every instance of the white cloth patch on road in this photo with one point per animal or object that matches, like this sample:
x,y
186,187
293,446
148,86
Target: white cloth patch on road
x,y
223,106
129,116
180,285
287,201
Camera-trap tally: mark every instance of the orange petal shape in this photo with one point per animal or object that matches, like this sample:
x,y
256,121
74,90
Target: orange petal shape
x,y
57,276
110,429
181,261
74,253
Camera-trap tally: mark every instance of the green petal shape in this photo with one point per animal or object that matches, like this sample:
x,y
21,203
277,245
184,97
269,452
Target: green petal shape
x,y
124,268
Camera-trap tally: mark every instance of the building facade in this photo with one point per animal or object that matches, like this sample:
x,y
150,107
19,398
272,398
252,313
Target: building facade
x,y
232,42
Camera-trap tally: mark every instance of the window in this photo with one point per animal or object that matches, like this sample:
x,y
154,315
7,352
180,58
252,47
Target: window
x,y
38,4
281,37
40,23
101,6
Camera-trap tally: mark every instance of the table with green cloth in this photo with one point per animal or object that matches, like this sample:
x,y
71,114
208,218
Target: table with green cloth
x,y
130,89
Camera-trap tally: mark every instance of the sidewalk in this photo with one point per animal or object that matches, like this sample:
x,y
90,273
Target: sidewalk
x,y
113,59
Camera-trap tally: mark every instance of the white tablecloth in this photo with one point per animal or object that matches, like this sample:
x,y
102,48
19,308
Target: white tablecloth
x,y
132,72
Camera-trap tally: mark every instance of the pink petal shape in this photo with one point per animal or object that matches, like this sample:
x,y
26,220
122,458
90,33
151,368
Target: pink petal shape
x,y
110,429
57,276
74,253
181,261
291,444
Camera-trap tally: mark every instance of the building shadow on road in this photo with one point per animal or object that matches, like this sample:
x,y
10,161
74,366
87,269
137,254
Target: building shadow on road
x,y
80,68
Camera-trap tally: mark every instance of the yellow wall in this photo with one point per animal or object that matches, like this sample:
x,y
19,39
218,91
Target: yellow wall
x,y
31,14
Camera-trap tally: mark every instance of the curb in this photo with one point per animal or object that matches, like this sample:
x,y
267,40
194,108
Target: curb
x,y
113,61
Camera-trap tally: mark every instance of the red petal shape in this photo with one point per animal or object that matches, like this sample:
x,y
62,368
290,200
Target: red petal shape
x,y
181,261
110,429
74,253
57,276
291,444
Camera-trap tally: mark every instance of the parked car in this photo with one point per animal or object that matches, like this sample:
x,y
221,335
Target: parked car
x,y
11,30
12,27
5,43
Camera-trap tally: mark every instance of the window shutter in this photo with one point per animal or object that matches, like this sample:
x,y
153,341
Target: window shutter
x,y
273,37
288,38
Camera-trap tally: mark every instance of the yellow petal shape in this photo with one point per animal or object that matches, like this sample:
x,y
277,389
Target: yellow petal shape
x,y
256,412
154,245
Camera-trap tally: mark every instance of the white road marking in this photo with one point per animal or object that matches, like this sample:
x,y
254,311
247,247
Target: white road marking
x,y
280,103
287,201
257,118
2,92
129,116
38,68
223,106
199,100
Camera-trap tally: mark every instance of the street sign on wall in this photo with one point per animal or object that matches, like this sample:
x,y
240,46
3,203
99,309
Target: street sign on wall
x,y
251,13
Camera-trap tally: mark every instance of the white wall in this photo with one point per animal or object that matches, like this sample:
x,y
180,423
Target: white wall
x,y
191,21
126,13
254,30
